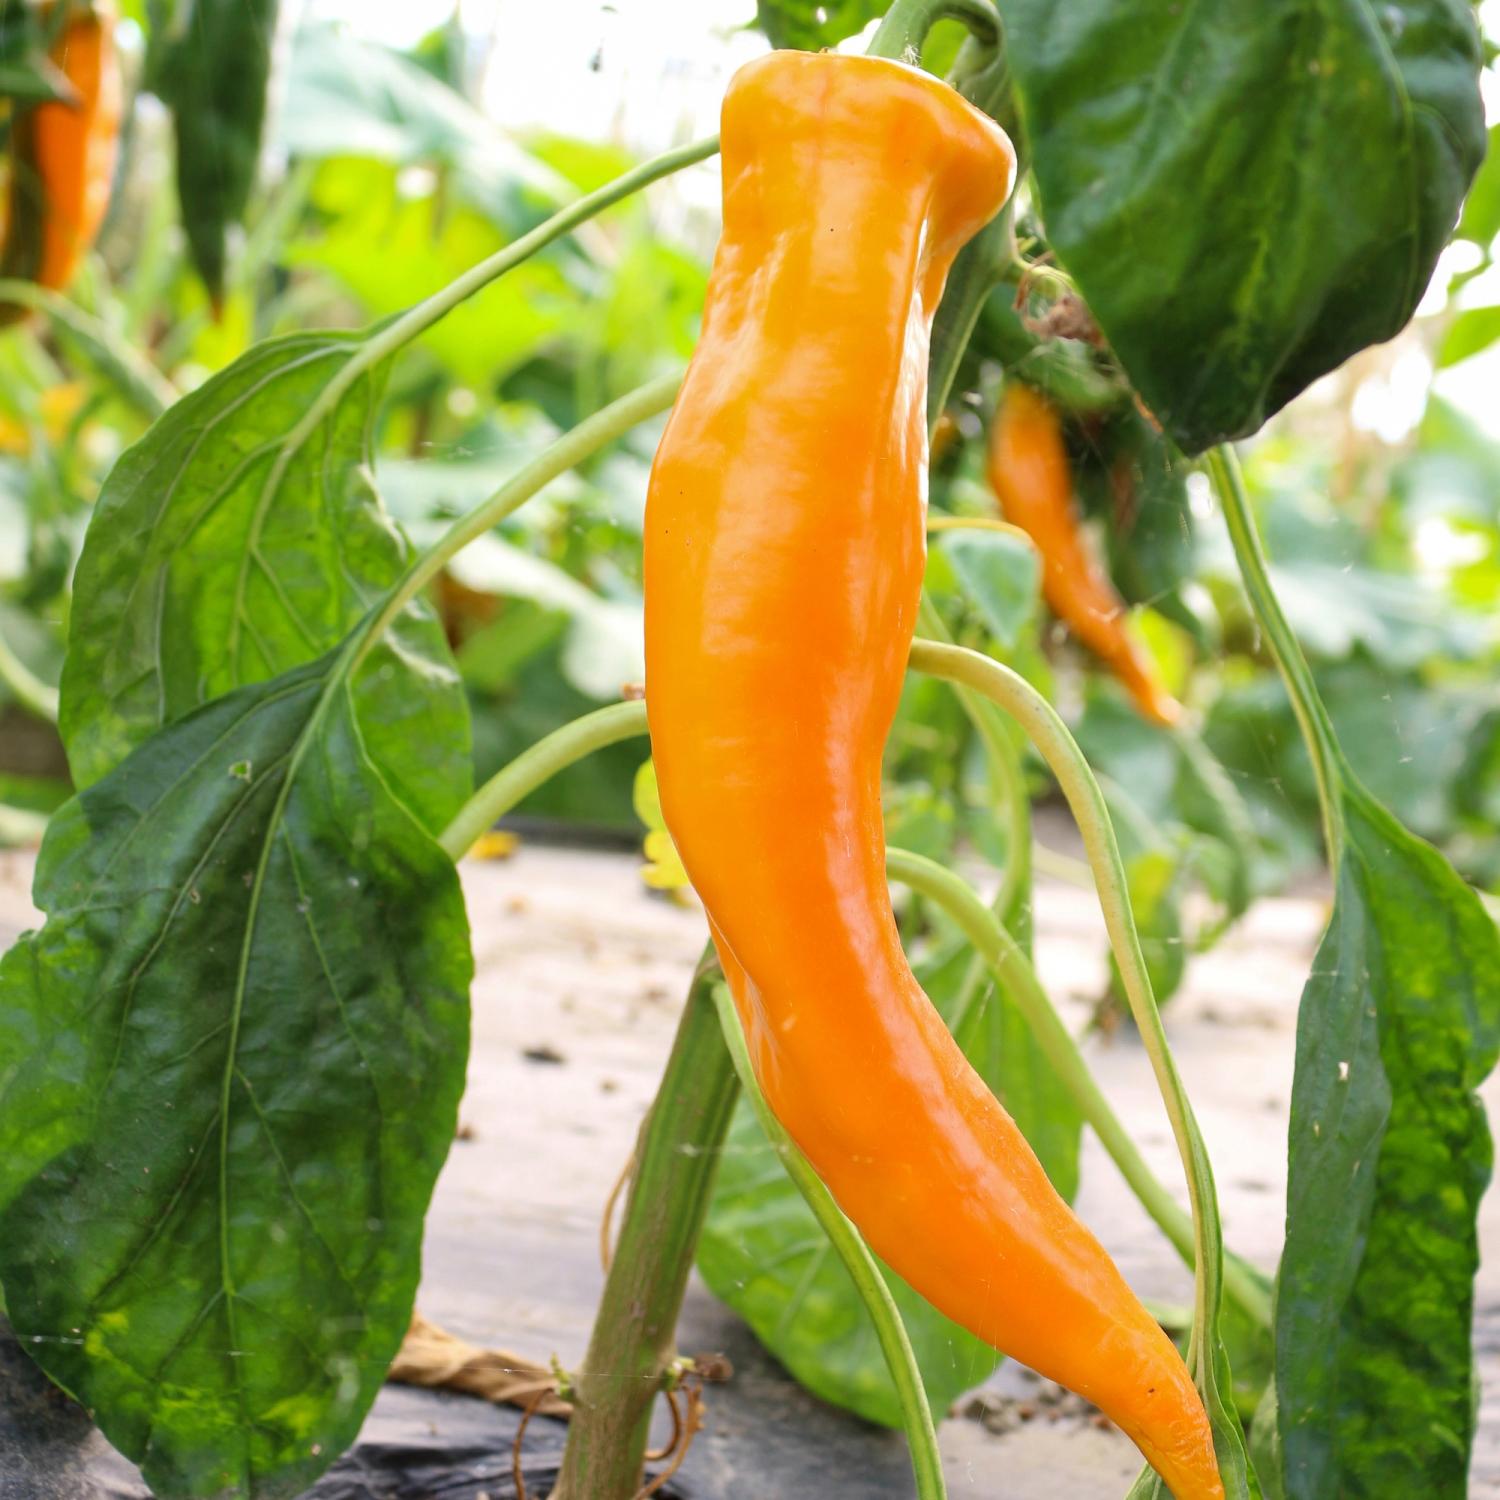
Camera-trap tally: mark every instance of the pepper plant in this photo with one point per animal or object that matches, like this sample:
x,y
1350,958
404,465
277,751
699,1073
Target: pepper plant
x,y
231,1059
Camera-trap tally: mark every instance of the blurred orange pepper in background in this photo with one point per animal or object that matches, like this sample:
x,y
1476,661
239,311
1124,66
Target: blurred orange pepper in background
x,y
1028,468
62,157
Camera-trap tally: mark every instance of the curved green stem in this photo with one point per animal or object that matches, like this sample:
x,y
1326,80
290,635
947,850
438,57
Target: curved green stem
x,y
980,523
29,690
1012,902
417,320
890,1331
907,23
1013,969
137,380
1049,734
1312,717
591,434
537,765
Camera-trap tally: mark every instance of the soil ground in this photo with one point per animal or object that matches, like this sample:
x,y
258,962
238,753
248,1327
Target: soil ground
x,y
580,978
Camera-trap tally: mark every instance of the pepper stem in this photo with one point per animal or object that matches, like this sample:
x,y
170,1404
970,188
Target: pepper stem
x,y
632,1351
907,22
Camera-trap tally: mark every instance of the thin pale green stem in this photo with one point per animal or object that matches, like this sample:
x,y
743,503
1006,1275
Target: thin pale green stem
x,y
1014,971
591,434
1312,717
26,687
1013,899
1050,735
411,324
537,765
901,34
890,1331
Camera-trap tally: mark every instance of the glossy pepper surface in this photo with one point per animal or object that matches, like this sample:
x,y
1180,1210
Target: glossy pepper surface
x,y
1029,470
784,559
62,156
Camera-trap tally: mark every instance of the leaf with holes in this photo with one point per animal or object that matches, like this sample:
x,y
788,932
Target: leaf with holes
x,y
230,1066
242,537
1390,1154
1245,193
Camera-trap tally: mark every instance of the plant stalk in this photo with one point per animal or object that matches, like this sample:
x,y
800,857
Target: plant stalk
x,y
632,1353
1013,901
901,34
575,445
417,320
1312,717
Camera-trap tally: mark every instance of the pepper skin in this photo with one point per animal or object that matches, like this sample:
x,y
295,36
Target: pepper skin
x,y
62,157
783,562
1028,467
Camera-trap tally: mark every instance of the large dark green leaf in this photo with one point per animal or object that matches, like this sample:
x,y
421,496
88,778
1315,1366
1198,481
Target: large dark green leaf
x,y
1390,1153
763,1253
228,547
211,63
230,1064
1246,193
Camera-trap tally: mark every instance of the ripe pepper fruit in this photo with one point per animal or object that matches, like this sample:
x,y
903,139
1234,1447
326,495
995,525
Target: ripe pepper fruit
x,y
783,566
1028,468
62,157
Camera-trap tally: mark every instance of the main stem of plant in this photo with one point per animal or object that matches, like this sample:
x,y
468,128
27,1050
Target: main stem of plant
x,y
632,1353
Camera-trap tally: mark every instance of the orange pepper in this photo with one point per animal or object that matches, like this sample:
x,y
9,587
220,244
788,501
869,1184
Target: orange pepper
x,y
63,156
784,555
1028,467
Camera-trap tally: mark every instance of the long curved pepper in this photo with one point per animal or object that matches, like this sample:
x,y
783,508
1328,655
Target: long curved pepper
x,y
784,556
1028,469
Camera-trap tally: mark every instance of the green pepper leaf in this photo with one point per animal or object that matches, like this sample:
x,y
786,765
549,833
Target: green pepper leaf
x,y
1389,1148
230,1066
1470,333
211,64
1167,140
1390,1154
232,544
1001,574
